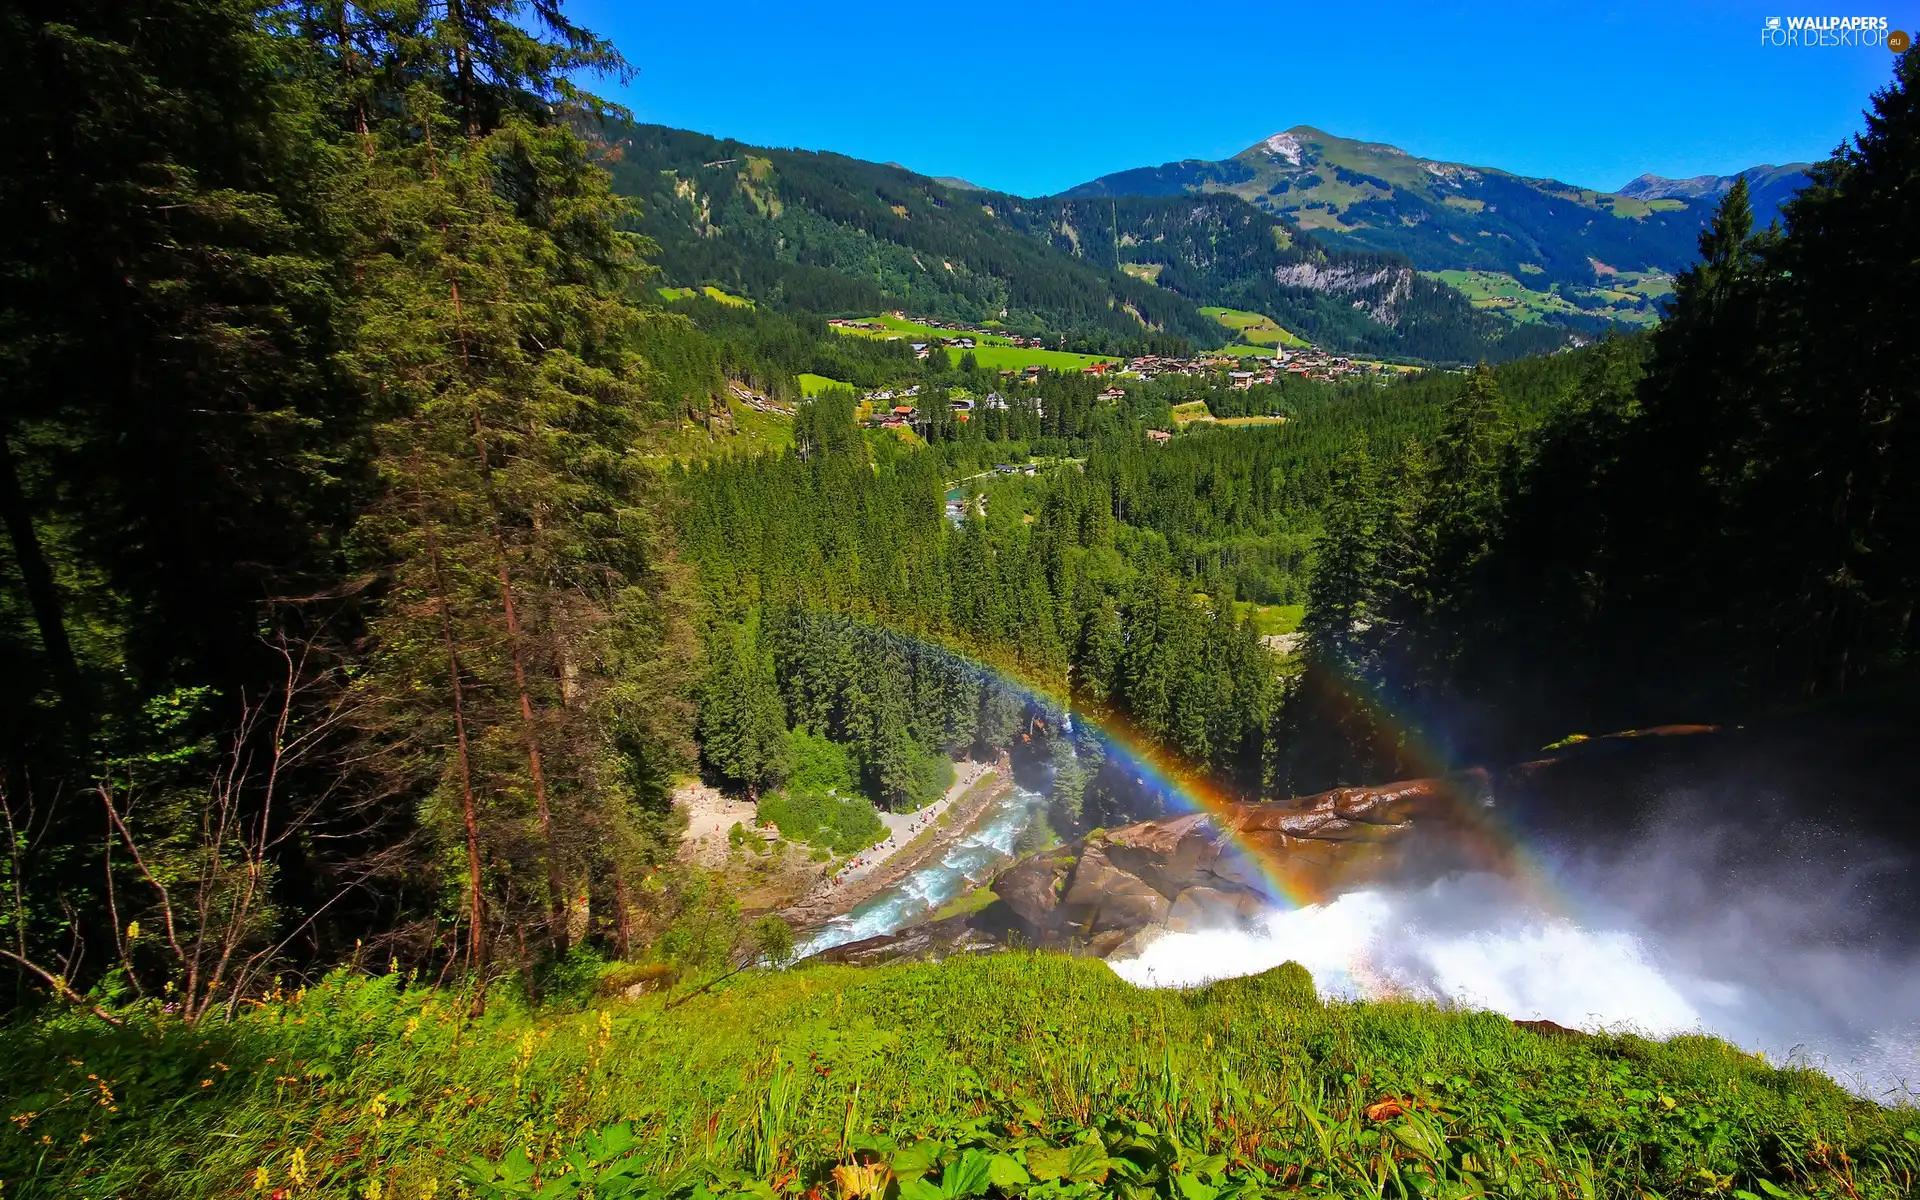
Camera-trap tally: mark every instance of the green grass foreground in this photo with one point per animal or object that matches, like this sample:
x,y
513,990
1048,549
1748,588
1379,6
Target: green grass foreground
x,y
1021,1075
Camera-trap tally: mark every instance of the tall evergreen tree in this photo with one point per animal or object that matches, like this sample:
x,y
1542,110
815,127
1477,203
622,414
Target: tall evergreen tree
x,y
1345,589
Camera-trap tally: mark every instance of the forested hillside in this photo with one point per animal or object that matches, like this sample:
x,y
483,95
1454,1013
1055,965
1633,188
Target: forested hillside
x,y
824,233
840,596
337,602
1225,252
834,235
1725,526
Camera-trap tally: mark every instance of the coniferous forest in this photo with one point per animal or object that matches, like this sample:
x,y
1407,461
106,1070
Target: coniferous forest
x,y
379,560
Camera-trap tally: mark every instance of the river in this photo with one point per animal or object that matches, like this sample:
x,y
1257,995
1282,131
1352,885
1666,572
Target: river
x,y
971,860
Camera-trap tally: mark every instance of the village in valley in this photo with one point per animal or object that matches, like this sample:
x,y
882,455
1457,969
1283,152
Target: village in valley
x,y
897,408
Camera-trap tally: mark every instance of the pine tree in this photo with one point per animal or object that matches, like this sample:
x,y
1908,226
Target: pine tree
x,y
1345,587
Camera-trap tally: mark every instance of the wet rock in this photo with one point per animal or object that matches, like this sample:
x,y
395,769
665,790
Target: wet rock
x,y
1222,869
1032,887
931,942
1214,908
1551,1029
1103,897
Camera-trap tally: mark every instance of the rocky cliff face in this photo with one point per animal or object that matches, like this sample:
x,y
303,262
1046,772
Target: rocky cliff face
x,y
1379,290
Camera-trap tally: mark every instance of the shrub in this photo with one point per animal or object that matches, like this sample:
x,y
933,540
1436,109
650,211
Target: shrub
x,y
837,823
820,765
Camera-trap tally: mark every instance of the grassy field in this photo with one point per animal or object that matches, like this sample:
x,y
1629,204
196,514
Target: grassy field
x,y
1018,1075
757,431
1255,329
1271,619
1191,411
1500,292
992,351
1196,410
1019,358
671,294
892,326
813,385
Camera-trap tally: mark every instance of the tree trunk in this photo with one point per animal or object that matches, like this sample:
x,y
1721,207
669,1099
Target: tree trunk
x,y
463,65
42,595
476,945
556,892
620,913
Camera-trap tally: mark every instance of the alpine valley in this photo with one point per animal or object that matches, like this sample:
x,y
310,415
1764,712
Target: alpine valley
x,y
551,658
1355,246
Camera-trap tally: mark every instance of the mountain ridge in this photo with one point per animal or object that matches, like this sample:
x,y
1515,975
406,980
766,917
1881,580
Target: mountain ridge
x,y
836,235
1770,187
1449,216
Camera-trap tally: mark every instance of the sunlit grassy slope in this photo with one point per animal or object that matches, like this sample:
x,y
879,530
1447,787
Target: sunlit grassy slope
x,y
1025,1074
754,431
993,351
1255,329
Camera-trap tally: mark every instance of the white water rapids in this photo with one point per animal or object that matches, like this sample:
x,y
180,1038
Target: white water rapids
x,y
1661,940
969,861
1474,942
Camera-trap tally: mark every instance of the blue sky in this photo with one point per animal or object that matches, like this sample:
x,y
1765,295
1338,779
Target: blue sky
x,y
1034,97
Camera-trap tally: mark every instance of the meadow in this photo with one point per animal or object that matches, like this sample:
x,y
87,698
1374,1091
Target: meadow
x,y
1272,618
992,351
812,385
1508,295
755,432
1017,1075
1255,329
670,294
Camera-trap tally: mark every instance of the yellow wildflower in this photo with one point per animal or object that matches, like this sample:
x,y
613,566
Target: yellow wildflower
x,y
297,1170
262,1178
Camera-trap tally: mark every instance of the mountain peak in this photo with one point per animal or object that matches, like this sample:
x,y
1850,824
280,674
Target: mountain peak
x,y
1657,187
1286,144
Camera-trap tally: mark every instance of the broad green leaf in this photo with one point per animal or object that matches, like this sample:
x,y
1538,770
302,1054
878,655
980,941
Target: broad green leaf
x,y
911,1162
920,1188
1048,1163
555,1189
516,1167
1006,1172
969,1176
1087,1163
1192,1189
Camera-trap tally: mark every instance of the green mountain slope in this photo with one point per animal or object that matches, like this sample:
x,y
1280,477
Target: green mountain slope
x,y
831,234
1555,239
1221,250
1768,186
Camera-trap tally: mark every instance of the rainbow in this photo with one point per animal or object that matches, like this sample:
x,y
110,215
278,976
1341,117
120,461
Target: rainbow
x,y
1186,789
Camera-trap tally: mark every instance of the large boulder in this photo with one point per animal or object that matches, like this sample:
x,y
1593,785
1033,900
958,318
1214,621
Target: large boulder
x,y
1223,869
932,942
